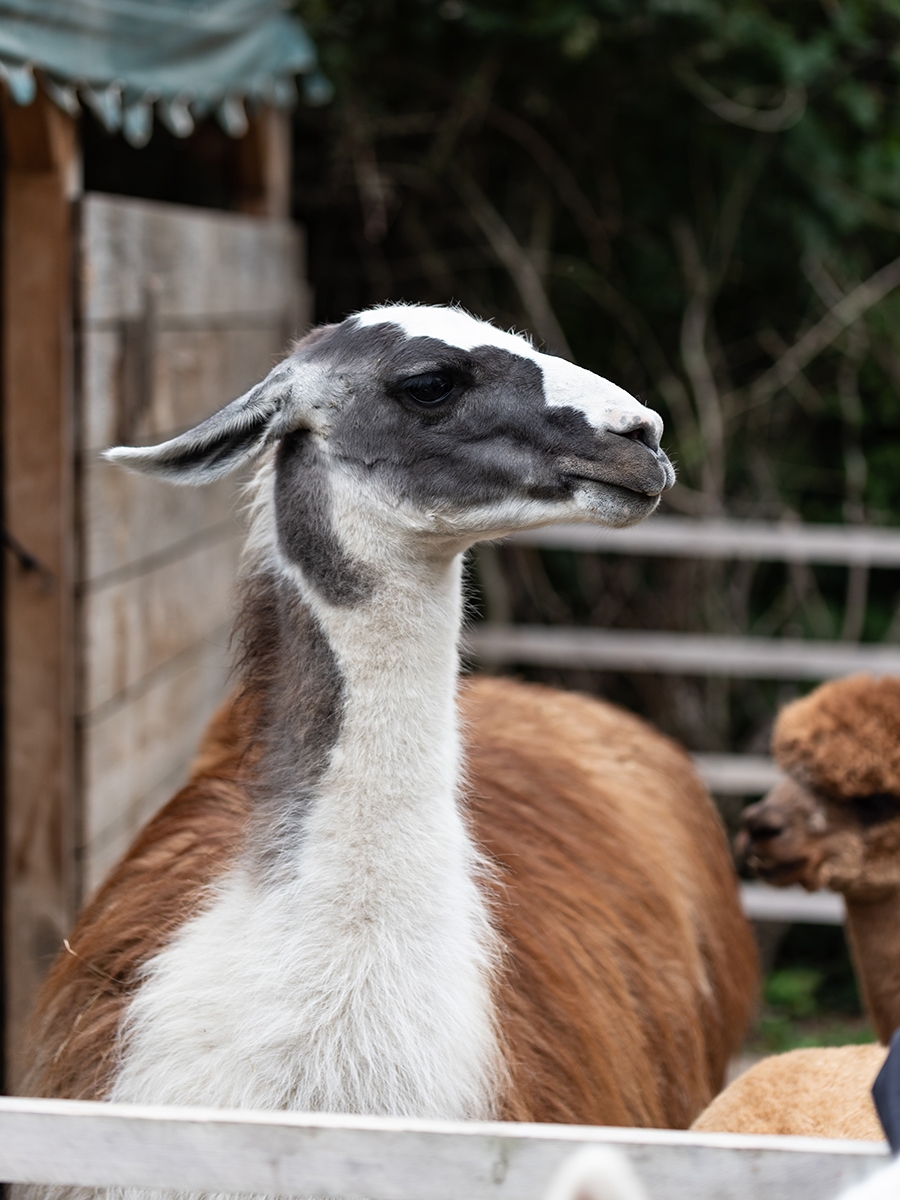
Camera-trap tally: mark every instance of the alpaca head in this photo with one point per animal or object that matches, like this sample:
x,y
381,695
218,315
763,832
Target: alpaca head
x,y
835,820
426,423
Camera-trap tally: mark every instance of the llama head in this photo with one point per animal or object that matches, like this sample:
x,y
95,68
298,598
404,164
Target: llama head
x,y
431,422
834,821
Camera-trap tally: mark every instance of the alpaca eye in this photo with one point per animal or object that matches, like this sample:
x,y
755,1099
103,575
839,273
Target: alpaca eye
x,y
874,809
429,389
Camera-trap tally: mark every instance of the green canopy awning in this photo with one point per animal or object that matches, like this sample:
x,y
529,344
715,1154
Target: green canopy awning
x,y
185,57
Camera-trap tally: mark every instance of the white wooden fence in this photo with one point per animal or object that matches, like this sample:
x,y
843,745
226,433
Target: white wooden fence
x,y
381,1158
688,537
703,654
761,902
492,643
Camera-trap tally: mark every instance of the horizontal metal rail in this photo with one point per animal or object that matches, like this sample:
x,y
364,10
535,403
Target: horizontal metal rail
x,y
383,1158
737,774
687,537
761,902
677,653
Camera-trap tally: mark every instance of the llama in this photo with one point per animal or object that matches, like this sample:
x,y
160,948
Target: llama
x,y
338,912
833,822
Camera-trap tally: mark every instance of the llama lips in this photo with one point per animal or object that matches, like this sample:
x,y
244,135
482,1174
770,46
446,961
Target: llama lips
x,y
628,464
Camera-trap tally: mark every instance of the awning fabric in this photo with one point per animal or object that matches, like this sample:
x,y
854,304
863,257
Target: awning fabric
x,y
185,57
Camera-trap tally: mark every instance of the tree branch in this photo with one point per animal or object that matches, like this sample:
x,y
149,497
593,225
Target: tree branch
x,y
766,120
842,314
696,362
517,261
592,227
636,328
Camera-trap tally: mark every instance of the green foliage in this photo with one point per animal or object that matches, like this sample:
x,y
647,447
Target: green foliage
x,y
776,1034
693,183
676,192
793,989
810,996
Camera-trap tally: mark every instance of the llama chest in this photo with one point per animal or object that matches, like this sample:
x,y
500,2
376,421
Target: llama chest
x,y
287,997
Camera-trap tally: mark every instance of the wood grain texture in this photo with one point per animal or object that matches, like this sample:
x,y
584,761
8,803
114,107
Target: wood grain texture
x,y
183,310
129,521
265,163
40,884
303,1154
135,626
138,752
194,372
209,263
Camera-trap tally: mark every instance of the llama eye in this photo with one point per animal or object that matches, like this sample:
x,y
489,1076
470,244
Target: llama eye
x,y
429,389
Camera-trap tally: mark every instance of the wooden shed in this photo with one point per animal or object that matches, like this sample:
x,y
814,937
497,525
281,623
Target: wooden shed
x,y
124,320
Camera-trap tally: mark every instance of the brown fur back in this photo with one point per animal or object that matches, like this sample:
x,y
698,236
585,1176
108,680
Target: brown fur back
x,y
821,1092
630,967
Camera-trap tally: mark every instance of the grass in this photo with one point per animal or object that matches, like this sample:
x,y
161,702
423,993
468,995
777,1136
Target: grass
x,y
810,997
775,1033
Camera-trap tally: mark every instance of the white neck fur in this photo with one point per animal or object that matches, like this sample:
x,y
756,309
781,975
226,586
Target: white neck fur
x,y
359,978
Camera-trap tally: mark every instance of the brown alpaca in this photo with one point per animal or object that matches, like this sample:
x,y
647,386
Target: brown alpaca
x,y
310,923
820,1092
835,822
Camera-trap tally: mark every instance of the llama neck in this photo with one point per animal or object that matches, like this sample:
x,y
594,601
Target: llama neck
x,y
873,931
347,963
359,725
377,861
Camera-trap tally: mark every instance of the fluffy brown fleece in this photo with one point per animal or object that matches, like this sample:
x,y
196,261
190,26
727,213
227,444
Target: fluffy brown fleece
x,y
809,1093
844,738
630,968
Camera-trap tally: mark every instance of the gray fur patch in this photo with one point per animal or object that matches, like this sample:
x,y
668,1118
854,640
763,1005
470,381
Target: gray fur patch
x,y
306,534
290,674
495,438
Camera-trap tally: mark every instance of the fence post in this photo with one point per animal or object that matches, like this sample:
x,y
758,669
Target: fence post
x,y
41,181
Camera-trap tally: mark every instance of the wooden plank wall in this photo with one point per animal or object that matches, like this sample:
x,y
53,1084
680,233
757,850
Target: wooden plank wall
x,y
39,883
182,310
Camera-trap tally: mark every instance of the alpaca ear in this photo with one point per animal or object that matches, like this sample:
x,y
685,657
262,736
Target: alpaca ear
x,y
232,436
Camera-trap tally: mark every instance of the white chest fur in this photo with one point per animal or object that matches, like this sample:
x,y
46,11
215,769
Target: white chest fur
x,y
360,980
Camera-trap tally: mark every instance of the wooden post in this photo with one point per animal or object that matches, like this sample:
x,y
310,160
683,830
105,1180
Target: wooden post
x,y
40,887
265,164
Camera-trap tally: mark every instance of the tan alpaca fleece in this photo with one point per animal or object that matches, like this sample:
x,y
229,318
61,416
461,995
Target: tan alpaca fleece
x,y
810,1093
843,739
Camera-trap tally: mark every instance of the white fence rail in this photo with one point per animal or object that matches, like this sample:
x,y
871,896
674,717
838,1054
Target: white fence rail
x,y
677,653
300,1154
709,654
761,902
737,774
687,537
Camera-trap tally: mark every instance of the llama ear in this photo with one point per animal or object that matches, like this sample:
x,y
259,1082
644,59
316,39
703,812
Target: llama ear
x,y
232,436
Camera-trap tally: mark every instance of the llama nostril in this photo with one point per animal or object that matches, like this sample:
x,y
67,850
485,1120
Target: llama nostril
x,y
643,433
759,827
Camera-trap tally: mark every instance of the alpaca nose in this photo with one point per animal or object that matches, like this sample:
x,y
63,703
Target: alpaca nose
x,y
761,823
